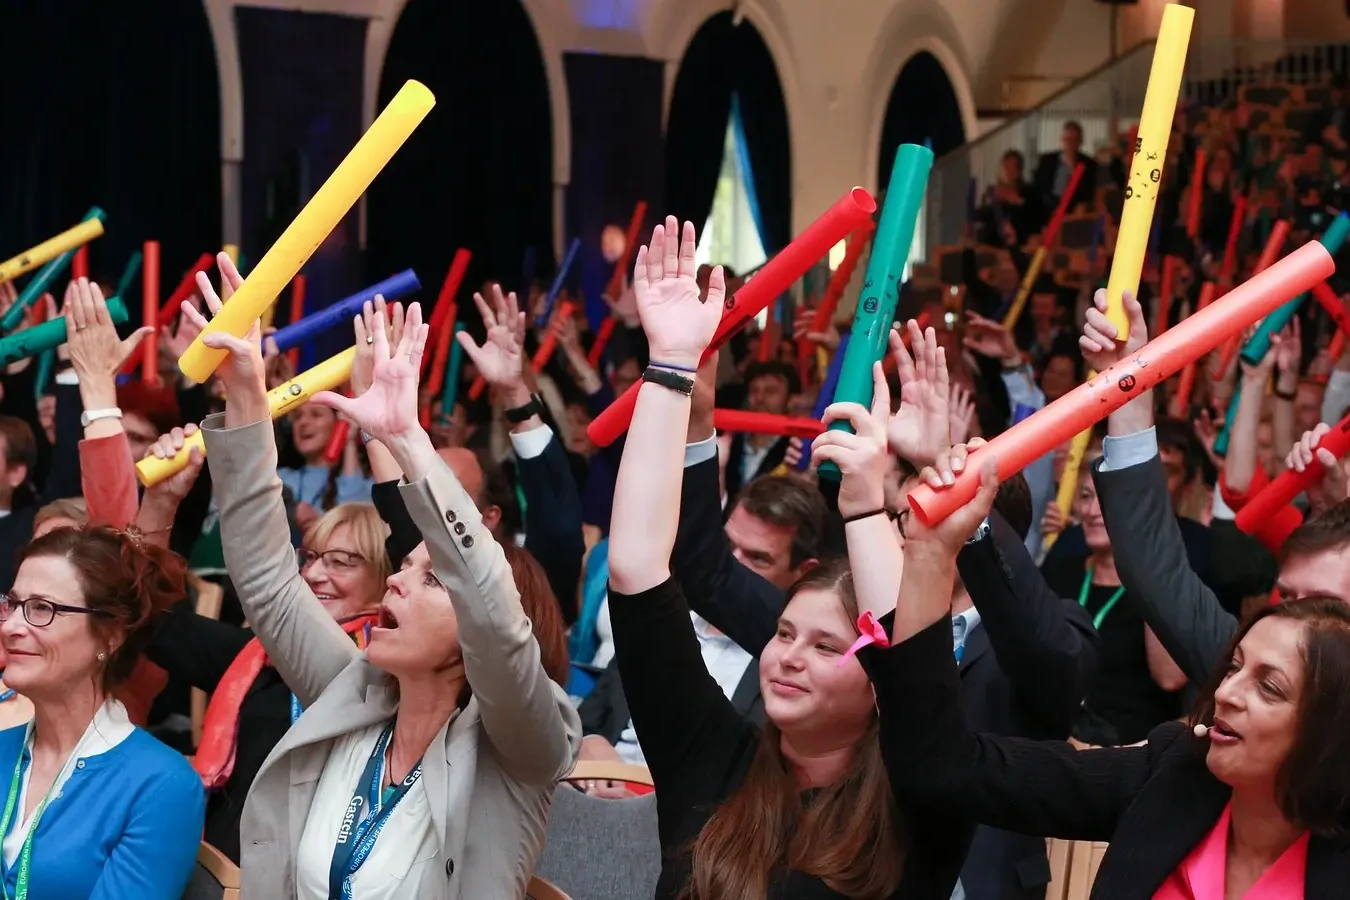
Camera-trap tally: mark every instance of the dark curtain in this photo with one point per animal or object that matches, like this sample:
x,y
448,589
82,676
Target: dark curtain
x,y
115,105
723,59
922,108
302,95
478,172
617,151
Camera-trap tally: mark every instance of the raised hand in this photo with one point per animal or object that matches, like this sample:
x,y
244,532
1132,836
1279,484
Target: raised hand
x,y
500,359
176,340
679,325
363,367
988,338
170,491
920,429
242,374
387,411
1333,486
951,534
861,456
96,352
1100,348
801,330
961,413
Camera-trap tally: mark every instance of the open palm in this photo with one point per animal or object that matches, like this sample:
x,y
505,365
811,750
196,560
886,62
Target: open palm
x,y
499,358
679,324
921,428
388,409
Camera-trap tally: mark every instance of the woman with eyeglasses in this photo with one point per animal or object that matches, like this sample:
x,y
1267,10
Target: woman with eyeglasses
x,y
343,561
93,806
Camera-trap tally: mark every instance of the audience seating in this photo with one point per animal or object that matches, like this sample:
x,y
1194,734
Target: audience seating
x,y
601,849
216,878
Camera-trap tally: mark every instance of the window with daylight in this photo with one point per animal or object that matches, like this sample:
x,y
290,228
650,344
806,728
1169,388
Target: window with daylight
x,y
732,234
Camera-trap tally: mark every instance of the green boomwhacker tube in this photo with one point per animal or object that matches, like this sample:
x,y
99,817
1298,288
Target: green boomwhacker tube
x,y
48,335
881,288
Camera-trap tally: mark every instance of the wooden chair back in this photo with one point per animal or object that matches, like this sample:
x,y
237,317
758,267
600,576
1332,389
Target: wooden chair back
x,y
210,598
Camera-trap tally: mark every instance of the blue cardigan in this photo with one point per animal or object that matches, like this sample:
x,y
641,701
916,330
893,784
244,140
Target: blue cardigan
x,y
127,824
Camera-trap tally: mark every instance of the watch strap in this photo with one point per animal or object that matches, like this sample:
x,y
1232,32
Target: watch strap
x,y
93,415
519,414
668,379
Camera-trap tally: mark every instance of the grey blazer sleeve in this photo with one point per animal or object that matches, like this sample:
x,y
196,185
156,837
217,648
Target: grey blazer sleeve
x,y
530,721
1151,560
302,640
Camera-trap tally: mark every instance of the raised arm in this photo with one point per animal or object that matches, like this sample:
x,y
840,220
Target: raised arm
x,y
301,638
529,719
1183,612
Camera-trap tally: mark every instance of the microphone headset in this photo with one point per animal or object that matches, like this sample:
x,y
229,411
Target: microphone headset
x,y
1200,730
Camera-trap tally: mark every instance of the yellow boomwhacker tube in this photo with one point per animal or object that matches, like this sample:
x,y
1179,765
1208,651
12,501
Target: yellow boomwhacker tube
x,y
1146,166
314,223
1141,196
1028,281
326,376
51,248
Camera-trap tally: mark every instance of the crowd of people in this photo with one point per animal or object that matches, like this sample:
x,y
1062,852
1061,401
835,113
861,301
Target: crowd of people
x,y
420,638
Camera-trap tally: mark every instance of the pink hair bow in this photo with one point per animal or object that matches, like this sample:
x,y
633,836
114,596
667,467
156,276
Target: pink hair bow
x,y
869,632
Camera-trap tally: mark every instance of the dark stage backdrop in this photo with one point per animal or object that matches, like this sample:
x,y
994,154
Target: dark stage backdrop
x,y
618,151
478,172
302,100
115,105
723,59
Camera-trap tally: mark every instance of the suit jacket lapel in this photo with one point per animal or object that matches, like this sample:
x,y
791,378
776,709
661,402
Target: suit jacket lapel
x,y
976,646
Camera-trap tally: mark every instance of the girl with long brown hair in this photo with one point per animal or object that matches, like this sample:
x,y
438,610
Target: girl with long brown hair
x,y
802,809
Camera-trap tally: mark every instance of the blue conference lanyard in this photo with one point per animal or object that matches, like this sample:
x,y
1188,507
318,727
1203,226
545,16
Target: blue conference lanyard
x,y
6,694
357,836
296,709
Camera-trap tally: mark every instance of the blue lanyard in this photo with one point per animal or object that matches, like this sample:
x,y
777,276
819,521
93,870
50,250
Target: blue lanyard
x,y
296,709
6,694
357,836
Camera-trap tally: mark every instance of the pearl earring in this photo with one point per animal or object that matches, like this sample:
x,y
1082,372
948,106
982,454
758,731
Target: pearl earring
x,y
103,657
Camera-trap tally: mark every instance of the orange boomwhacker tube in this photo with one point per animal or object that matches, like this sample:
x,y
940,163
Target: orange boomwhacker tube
x,y
625,260
1164,302
738,421
1230,248
1279,233
445,300
79,263
1197,194
297,313
1281,492
847,213
550,342
150,311
1182,401
1162,357
601,339
1329,301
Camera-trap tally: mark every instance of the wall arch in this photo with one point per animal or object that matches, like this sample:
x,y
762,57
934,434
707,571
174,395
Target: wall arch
x,y
922,107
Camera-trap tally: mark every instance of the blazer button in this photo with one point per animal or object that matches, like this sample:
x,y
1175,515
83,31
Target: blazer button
x,y
459,528
449,867
450,515
468,541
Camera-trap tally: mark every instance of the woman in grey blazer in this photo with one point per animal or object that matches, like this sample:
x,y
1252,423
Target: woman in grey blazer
x,y
444,740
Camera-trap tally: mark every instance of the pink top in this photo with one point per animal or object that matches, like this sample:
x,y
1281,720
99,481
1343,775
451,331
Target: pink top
x,y
1201,874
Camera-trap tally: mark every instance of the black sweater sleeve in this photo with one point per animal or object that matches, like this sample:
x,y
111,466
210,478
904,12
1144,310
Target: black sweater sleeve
x,y
194,648
404,535
1042,788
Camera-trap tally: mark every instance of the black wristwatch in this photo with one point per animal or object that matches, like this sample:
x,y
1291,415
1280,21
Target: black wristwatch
x,y
668,379
521,413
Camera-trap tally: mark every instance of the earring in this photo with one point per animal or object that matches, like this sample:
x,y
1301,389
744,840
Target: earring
x,y
102,657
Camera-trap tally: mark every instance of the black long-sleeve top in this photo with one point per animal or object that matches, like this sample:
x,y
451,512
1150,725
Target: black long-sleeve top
x,y
699,750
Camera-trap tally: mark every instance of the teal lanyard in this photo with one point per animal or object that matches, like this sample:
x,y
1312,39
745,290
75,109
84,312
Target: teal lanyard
x,y
1100,617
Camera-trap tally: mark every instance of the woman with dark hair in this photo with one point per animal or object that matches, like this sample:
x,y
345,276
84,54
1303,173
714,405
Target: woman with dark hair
x,y
801,809
1250,799
95,807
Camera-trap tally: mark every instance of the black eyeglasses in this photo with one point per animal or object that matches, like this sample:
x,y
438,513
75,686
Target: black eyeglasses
x,y
39,611
338,560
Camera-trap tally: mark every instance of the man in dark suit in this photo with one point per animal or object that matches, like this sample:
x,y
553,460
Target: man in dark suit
x,y
1026,655
1054,170
769,386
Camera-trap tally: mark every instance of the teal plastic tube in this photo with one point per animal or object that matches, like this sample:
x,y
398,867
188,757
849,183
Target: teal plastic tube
x,y
46,363
48,335
39,283
452,373
881,287
129,274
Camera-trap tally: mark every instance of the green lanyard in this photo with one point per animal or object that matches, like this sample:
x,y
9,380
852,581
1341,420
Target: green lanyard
x,y
1100,617
26,854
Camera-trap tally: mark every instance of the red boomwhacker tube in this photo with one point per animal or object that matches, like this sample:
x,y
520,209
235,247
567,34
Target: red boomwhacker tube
x,y
1062,209
297,313
601,339
768,339
186,288
1230,248
847,213
1182,401
1331,302
1156,361
1276,531
440,356
445,300
550,342
834,291
337,441
1164,301
150,311
1274,244
738,421
625,260
79,263
1197,194
1279,493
